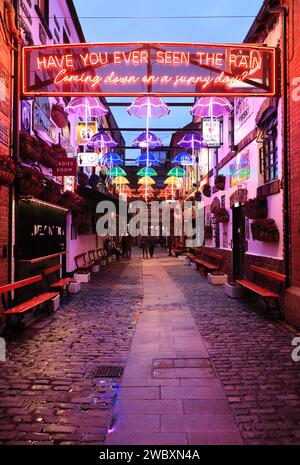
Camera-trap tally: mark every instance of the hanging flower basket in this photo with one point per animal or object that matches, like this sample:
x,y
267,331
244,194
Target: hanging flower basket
x,y
220,181
215,205
72,201
58,150
7,170
59,116
208,232
30,147
52,192
31,181
256,208
49,156
221,215
206,190
265,230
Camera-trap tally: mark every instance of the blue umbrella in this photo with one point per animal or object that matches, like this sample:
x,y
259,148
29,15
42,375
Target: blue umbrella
x,y
111,159
147,159
184,159
101,140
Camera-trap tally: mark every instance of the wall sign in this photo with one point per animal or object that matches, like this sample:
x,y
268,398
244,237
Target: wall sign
x,y
43,230
25,116
240,169
88,159
85,132
211,131
166,69
65,167
244,108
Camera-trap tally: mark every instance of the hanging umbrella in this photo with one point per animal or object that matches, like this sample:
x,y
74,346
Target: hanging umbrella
x,y
150,140
177,171
101,140
147,171
147,159
192,140
111,159
171,180
120,180
146,180
148,107
116,171
184,159
86,107
211,107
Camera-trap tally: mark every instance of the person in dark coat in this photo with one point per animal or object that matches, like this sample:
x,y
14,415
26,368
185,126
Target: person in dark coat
x,y
151,246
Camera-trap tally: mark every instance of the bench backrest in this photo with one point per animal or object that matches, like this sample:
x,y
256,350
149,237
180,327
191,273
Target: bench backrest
x,y
207,253
18,284
52,269
268,273
80,257
92,255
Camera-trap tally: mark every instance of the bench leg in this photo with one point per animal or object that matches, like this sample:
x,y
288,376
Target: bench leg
x,y
267,307
279,310
67,290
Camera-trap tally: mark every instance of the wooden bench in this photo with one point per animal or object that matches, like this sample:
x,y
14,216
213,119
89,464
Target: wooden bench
x,y
206,259
82,263
101,254
92,254
60,283
261,291
32,304
178,250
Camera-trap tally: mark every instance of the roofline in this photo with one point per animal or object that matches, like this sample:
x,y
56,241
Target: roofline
x,y
76,21
260,17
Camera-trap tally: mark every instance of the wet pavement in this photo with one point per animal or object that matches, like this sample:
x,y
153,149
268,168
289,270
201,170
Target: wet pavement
x,y
200,368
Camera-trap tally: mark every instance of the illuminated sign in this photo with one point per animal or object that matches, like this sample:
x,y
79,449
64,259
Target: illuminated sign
x,y
88,159
211,131
65,167
165,69
240,169
85,131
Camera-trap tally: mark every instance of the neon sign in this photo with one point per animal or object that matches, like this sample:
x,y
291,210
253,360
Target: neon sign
x,y
167,69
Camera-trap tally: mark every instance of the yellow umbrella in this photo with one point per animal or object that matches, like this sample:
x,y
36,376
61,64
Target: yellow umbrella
x,y
172,180
146,180
120,180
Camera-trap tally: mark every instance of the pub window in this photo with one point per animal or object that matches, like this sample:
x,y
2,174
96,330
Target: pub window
x,y
268,151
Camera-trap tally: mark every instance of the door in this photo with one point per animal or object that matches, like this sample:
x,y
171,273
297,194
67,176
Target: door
x,y
238,241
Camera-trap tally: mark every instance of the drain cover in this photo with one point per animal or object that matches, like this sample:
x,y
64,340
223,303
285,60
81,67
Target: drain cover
x,y
108,372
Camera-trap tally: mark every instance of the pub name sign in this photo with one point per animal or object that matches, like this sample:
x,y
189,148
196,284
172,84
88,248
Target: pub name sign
x,y
163,69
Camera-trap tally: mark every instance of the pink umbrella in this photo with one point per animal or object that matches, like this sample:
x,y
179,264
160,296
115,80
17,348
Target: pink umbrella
x,y
86,107
211,107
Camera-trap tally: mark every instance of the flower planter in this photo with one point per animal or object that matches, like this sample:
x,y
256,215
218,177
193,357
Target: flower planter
x,y
206,190
265,230
186,261
103,262
234,290
208,232
82,277
55,303
256,208
221,215
217,279
75,287
30,181
52,192
72,201
194,266
220,181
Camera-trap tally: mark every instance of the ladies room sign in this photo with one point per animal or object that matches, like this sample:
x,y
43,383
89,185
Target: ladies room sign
x,y
164,69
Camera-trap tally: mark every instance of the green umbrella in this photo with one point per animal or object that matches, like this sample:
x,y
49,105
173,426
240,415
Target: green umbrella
x,y
147,171
177,171
116,171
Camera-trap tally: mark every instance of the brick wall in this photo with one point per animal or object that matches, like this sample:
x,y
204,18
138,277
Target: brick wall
x,y
4,202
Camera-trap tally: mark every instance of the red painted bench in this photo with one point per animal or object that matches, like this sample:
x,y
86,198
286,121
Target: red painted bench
x,y
32,304
82,263
262,291
59,283
210,261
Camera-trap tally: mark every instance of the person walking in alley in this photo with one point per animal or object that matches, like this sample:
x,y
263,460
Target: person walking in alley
x,y
124,246
111,250
145,246
151,246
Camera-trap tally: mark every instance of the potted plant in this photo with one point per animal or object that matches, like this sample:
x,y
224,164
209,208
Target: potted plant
x,y
59,115
234,290
206,190
52,192
31,181
49,156
208,232
256,208
221,215
7,169
58,150
265,230
220,181
217,277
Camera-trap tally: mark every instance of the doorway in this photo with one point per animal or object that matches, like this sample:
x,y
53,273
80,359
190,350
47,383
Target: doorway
x,y
238,241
